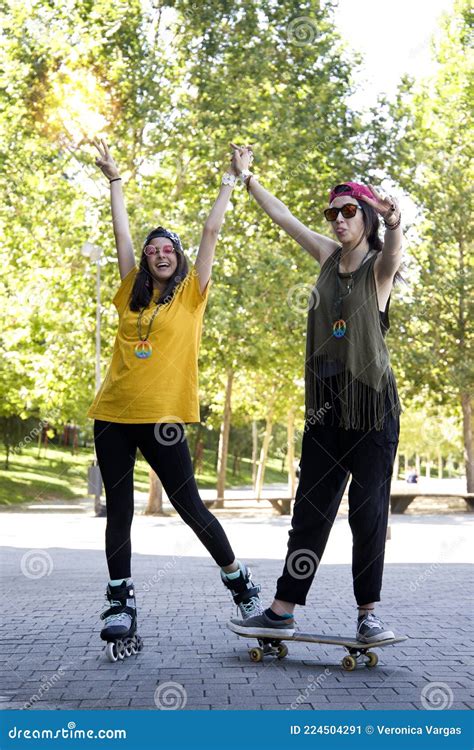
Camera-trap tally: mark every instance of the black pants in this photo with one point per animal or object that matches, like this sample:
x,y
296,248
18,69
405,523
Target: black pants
x,y
329,453
165,448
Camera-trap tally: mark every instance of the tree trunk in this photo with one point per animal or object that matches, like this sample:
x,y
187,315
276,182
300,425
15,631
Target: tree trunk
x,y
291,453
254,453
418,465
197,441
468,445
264,450
155,496
224,441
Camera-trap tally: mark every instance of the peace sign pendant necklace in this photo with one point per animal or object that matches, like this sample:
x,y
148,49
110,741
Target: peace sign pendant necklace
x,y
144,350
339,326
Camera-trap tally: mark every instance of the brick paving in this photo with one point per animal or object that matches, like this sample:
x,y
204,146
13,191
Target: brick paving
x,y
52,657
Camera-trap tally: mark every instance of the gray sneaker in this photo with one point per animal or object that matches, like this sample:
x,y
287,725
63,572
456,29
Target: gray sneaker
x,y
263,626
370,628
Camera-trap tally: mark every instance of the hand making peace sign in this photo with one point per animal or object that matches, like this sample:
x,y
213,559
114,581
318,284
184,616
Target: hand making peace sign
x,y
105,161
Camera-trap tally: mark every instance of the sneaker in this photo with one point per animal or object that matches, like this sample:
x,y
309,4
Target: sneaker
x,y
370,628
262,625
244,592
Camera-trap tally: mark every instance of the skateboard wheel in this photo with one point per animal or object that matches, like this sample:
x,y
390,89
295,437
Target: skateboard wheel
x,y
372,659
349,663
256,654
111,652
282,651
120,646
139,642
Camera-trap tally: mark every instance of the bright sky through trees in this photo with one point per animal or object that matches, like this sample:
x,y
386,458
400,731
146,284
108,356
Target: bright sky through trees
x,y
394,39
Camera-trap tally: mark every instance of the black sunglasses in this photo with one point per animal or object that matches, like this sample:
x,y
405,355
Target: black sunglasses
x,y
348,210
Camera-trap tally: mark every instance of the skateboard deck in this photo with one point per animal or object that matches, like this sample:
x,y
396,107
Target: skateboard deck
x,y
357,650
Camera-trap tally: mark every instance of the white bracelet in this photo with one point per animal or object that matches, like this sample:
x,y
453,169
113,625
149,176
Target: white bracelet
x,y
228,179
244,174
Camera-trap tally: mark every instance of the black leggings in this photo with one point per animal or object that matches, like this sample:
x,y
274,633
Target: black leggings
x,y
165,448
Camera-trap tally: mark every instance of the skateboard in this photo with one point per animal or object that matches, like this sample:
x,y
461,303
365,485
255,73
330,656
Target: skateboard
x,y
357,650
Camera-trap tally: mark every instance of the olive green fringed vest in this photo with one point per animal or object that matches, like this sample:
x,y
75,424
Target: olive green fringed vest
x,y
359,360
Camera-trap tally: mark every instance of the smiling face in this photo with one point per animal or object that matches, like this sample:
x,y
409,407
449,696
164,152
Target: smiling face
x,y
350,230
162,265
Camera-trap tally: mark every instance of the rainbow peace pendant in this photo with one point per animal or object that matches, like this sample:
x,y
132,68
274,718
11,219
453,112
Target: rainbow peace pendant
x,y
339,328
143,350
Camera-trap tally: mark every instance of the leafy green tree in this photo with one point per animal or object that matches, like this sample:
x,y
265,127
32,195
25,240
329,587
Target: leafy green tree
x,y
428,150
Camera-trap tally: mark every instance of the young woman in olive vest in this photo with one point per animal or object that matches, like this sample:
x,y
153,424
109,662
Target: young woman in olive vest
x,y
150,392
352,406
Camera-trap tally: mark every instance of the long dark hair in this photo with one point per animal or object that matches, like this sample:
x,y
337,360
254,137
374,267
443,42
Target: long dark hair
x,y
142,290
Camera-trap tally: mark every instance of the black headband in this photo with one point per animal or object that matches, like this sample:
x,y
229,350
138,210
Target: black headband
x,y
162,232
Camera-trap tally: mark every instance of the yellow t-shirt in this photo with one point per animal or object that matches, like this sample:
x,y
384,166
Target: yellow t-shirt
x,y
164,387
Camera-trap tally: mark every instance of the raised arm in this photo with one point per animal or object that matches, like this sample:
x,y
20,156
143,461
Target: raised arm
x,y
123,240
210,233
319,246
390,259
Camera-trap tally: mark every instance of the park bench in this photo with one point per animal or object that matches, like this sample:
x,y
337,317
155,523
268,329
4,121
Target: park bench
x,y
399,501
281,504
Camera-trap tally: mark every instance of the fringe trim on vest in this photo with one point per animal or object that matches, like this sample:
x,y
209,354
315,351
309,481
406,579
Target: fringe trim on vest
x,y
361,407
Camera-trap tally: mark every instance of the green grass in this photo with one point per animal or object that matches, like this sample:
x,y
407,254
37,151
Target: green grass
x,y
60,475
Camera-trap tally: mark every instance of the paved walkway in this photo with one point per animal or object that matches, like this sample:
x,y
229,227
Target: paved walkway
x,y
54,576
